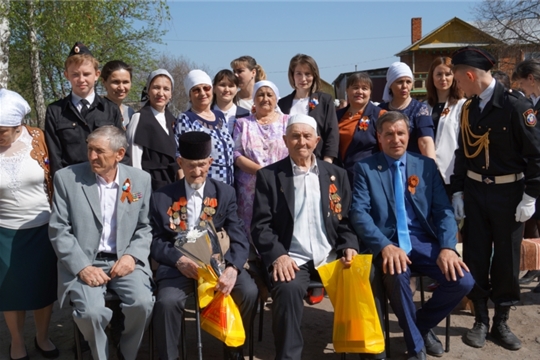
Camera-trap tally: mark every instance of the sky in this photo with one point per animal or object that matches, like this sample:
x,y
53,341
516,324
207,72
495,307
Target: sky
x,y
340,36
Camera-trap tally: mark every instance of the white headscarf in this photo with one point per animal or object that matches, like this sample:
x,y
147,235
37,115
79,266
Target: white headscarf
x,y
13,108
153,74
262,83
196,77
395,71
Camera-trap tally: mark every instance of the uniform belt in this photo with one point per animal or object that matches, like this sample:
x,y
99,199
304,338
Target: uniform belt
x,y
503,179
105,255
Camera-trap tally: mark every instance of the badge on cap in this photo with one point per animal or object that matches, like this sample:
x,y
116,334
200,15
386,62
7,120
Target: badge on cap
x,y
530,118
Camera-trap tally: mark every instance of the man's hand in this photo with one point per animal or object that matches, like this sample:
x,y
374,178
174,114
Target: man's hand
x,y
285,268
124,266
347,257
93,276
227,280
187,267
450,264
394,260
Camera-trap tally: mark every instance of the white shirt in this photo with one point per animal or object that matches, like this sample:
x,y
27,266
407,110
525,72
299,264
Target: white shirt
x,y
486,95
309,241
230,116
108,201
534,99
246,103
76,100
136,151
194,204
299,106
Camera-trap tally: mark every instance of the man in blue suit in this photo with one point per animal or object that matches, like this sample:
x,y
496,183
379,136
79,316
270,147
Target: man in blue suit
x,y
409,226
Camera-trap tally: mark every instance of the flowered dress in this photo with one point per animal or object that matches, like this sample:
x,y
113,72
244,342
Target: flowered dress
x,y
222,167
262,144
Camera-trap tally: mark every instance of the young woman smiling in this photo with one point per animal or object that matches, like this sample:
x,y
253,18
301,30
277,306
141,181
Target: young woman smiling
x,y
116,79
225,96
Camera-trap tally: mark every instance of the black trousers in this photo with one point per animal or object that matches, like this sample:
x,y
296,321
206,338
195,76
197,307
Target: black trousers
x,y
492,240
170,303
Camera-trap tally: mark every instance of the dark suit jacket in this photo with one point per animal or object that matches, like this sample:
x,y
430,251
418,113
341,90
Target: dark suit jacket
x,y
66,131
327,124
373,210
163,250
273,223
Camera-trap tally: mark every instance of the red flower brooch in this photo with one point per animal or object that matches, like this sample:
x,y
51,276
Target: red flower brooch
x,y
445,112
313,103
363,124
412,183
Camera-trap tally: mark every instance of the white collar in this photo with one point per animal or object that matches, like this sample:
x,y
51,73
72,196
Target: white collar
x,y
297,170
76,99
488,92
101,181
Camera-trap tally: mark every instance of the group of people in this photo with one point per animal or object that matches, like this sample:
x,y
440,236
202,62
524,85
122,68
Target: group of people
x,y
293,184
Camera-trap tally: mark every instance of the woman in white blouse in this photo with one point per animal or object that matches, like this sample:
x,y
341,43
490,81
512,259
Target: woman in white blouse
x,y
225,98
150,133
28,277
445,101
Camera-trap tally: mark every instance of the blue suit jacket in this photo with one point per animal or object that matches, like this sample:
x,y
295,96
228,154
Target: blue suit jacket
x,y
373,210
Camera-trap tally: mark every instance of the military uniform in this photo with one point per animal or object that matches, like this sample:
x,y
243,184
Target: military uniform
x,y
490,207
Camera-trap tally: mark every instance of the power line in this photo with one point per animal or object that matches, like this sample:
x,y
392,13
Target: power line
x,y
284,41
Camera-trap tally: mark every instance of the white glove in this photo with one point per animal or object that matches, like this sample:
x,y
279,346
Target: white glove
x,y
457,204
525,208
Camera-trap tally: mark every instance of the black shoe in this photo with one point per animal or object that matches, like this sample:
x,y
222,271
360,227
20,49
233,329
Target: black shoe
x,y
476,337
529,276
433,344
505,337
419,355
232,353
536,290
49,354
23,358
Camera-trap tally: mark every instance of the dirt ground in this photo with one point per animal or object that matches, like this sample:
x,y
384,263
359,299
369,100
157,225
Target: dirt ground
x,y
317,329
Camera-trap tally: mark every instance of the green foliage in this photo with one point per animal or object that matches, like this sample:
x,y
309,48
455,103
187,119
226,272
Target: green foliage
x,y
111,29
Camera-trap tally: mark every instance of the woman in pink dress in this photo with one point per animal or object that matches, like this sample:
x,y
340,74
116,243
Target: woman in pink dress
x,y
258,142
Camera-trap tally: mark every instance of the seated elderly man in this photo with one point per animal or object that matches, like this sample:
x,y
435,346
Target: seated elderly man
x,y
176,272
299,223
400,211
101,233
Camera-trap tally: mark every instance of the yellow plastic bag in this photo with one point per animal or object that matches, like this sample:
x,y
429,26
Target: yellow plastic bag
x,y
222,320
220,317
357,328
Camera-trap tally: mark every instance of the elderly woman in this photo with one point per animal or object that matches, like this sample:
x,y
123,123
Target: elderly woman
x,y
225,97
248,72
201,117
116,79
150,136
397,97
258,142
445,101
307,99
357,123
28,263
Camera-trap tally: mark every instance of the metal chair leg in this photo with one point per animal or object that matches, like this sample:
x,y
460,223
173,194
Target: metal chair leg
x,y
183,332
261,318
198,320
447,333
78,346
151,339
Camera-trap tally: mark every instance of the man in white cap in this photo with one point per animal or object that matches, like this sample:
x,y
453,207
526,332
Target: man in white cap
x,y
300,221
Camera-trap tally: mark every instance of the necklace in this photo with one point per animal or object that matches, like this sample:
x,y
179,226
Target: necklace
x,y
400,107
260,121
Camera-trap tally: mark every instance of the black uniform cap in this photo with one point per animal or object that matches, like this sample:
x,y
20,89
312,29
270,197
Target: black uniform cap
x,y
195,145
79,49
474,57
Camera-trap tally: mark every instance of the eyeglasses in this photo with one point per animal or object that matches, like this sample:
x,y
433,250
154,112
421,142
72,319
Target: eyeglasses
x,y
198,90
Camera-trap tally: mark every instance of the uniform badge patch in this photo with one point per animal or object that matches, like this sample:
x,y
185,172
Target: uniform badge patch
x,y
530,118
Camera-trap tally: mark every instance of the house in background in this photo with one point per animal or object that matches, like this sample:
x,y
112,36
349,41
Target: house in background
x,y
443,41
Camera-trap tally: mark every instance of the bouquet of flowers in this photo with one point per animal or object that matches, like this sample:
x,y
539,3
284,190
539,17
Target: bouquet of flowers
x,y
201,245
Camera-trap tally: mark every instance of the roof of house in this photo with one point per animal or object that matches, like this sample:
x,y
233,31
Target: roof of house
x,y
450,35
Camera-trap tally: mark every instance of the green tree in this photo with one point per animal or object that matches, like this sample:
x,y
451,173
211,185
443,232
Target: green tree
x,y
43,32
